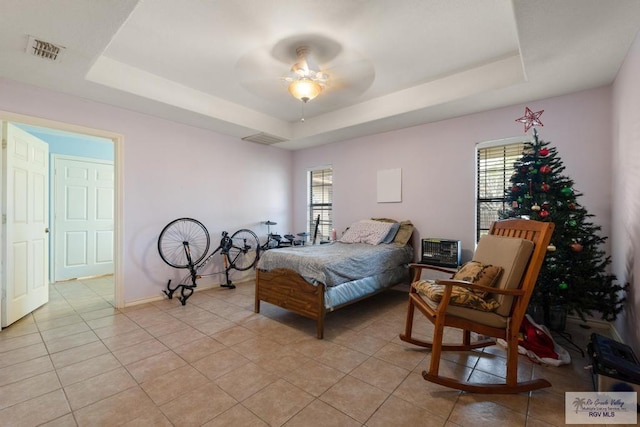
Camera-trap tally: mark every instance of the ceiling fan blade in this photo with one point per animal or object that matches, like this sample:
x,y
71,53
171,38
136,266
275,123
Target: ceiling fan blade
x,y
259,64
355,76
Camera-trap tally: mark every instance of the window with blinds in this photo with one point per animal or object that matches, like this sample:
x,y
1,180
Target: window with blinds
x,y
494,169
320,202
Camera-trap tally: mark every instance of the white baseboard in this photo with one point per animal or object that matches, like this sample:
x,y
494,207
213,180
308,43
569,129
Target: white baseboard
x,y
143,301
163,296
609,327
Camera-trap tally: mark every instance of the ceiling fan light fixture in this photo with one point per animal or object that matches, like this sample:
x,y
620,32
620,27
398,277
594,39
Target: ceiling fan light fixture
x,y
305,89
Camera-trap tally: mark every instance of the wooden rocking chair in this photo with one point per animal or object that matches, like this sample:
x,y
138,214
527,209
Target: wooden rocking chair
x,y
519,247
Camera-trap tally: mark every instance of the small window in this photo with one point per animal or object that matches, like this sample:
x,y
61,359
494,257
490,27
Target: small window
x,y
494,169
320,184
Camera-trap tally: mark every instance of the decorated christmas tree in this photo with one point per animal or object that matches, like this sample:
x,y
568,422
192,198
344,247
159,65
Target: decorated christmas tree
x,y
574,276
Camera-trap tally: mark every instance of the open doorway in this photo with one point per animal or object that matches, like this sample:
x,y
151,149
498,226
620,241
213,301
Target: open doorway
x,y
81,212
74,148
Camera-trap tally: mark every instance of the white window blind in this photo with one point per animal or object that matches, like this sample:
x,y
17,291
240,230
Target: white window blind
x,y
494,168
320,202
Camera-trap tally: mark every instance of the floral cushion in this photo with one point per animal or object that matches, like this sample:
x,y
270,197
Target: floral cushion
x,y
480,274
459,296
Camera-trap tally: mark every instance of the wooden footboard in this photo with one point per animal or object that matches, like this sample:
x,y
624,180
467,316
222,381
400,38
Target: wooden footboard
x,y
287,289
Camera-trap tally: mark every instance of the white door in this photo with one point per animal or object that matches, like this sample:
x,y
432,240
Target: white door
x,y
26,209
83,224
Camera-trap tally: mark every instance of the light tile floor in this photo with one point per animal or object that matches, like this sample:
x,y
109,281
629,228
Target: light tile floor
x,y
77,361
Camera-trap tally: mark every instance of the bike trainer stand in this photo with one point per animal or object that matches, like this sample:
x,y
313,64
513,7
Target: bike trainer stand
x,y
187,290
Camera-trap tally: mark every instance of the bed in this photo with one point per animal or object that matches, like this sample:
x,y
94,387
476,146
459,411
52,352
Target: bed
x,y
312,280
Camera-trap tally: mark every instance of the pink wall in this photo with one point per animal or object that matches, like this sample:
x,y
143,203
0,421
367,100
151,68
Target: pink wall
x,y
173,170
438,165
170,171
626,190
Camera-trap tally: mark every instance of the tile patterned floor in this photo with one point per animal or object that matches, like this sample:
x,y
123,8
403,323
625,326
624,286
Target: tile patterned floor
x,y
77,361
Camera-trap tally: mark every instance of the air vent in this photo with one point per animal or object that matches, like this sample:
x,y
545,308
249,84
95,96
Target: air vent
x,y
45,50
264,138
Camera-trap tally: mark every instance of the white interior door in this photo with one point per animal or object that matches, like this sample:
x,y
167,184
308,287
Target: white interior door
x,y
84,213
26,209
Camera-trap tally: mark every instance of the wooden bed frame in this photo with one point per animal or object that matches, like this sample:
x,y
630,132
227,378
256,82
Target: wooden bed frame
x,y
287,289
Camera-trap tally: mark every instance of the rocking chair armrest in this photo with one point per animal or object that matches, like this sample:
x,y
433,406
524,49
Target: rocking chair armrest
x,y
475,287
419,267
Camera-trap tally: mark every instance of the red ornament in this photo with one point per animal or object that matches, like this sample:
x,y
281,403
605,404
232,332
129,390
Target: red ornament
x,y
545,206
576,247
545,169
515,189
545,187
544,214
544,152
571,206
530,119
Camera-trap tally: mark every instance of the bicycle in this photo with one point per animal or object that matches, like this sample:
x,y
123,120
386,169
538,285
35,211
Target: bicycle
x,y
184,243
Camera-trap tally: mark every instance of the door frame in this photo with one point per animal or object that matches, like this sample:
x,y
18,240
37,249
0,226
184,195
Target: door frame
x,y
118,165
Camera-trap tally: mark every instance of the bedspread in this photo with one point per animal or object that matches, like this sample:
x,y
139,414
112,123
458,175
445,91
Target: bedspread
x,y
335,263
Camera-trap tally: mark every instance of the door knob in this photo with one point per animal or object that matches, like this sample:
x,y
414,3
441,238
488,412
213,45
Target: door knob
x,y
46,230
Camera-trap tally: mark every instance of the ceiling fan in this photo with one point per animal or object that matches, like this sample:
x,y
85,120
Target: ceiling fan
x,y
306,66
306,81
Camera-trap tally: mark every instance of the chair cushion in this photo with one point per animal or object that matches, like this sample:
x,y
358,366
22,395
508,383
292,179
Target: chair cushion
x,y
459,296
480,274
489,318
512,254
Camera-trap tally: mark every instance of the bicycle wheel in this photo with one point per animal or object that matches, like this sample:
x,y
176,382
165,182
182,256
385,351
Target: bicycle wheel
x,y
244,251
179,236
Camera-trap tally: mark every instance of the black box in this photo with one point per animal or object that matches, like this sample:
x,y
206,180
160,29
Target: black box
x,y
441,252
614,365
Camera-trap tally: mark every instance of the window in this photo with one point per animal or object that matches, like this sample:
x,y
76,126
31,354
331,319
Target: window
x,y
494,169
320,186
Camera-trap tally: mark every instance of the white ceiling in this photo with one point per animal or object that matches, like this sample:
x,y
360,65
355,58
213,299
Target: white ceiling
x,y
218,64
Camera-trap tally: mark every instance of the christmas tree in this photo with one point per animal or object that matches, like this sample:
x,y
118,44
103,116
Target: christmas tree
x,y
574,275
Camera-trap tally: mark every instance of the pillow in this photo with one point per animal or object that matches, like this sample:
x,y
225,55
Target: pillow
x,y
404,232
384,219
459,296
392,233
366,231
480,274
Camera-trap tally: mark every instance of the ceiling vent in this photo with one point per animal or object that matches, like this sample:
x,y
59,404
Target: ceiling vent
x,y
264,138
45,50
